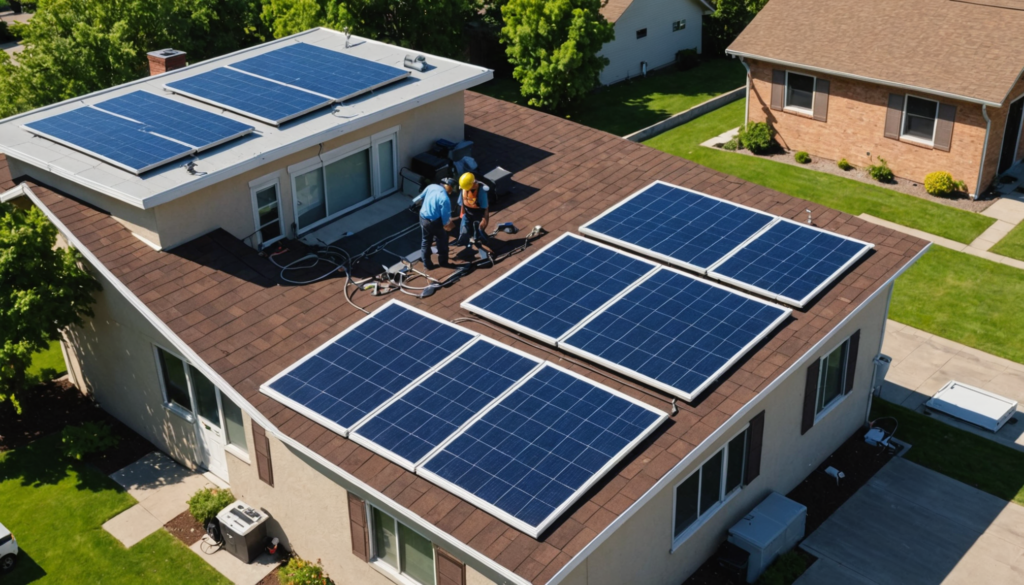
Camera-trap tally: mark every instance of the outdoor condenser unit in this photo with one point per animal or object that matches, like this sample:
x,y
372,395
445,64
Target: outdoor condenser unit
x,y
770,529
984,409
244,531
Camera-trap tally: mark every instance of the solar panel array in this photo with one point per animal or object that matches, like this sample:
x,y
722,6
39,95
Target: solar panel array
x,y
175,120
519,437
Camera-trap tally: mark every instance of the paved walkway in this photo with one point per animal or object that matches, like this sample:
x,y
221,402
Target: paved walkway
x,y
12,47
912,526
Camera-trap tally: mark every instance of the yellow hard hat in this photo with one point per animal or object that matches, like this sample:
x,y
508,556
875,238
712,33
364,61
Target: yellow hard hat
x,y
466,181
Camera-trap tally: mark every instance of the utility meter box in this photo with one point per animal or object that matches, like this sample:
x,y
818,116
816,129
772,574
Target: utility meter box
x,y
770,529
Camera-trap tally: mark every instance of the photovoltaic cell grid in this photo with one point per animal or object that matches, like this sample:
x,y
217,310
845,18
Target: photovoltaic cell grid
x,y
326,72
537,450
427,414
181,122
366,365
790,262
677,225
558,287
675,332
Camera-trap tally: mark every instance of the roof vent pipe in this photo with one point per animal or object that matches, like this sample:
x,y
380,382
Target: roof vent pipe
x,y
417,62
166,60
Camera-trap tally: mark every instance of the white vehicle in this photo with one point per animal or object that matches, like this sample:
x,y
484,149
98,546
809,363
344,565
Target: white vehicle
x,y
8,549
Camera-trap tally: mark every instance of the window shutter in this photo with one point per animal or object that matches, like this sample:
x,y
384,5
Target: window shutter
x,y
755,438
810,396
450,570
894,115
821,99
851,361
944,127
358,526
262,447
778,89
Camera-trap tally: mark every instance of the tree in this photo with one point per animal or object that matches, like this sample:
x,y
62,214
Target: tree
x,y
727,22
43,290
553,46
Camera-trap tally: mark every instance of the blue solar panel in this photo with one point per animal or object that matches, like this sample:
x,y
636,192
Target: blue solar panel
x,y
323,71
558,287
538,449
675,331
677,225
175,120
366,365
430,412
115,140
790,262
248,95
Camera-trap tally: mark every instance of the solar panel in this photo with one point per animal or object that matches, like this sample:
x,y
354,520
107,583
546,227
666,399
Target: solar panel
x,y
409,427
677,225
261,99
675,332
326,72
790,262
120,142
558,287
365,365
535,452
181,122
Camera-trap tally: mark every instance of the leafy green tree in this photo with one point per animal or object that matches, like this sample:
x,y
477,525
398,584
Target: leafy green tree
x,y
553,45
727,22
43,290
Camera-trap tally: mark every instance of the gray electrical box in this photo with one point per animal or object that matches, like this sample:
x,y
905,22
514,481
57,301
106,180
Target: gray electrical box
x,y
770,529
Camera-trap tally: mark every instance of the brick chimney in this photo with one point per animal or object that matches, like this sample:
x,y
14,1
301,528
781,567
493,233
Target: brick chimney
x,y
166,60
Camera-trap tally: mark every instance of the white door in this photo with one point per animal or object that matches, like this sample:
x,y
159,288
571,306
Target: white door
x,y
210,429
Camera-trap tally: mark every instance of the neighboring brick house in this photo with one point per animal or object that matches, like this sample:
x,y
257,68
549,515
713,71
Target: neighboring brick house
x,y
928,85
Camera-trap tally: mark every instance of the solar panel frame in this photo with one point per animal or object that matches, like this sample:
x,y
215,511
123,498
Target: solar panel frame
x,y
536,531
588,229
469,306
564,344
802,302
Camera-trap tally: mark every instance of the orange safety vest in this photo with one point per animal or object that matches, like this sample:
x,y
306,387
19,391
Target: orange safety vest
x,y
469,198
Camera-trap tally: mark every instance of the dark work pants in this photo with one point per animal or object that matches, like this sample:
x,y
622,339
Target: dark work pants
x,y
433,232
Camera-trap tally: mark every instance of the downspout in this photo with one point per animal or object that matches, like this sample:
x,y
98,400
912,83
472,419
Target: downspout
x,y
984,150
746,110
881,342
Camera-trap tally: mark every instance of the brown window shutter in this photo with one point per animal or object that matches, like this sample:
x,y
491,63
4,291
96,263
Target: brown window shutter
x,y
944,127
450,570
755,438
778,89
821,99
359,528
894,115
851,361
810,396
261,445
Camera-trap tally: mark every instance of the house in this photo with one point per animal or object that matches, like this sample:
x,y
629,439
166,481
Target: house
x,y
928,85
648,34
194,323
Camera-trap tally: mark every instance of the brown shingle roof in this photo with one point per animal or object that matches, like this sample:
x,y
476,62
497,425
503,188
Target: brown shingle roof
x,y
613,9
223,300
972,50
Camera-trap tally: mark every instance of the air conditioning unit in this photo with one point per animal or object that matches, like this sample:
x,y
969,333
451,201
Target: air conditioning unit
x,y
770,529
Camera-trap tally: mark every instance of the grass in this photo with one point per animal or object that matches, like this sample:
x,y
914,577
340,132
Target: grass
x,y
1012,245
629,106
56,511
966,299
50,359
963,456
840,193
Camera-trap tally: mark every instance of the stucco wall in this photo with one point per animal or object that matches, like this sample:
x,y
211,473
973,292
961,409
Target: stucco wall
x,y
659,47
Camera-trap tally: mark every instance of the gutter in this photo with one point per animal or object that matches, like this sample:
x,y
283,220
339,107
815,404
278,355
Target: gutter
x,y
746,110
984,151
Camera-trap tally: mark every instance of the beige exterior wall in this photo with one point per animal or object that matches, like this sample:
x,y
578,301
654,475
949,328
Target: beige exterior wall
x,y
659,47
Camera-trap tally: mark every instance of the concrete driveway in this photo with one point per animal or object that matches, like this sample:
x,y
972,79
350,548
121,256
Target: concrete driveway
x,y
910,525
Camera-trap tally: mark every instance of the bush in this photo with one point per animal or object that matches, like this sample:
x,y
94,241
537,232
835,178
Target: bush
x,y
731,145
786,569
90,437
939,183
300,572
757,137
961,186
207,502
881,172
687,59
844,164
802,157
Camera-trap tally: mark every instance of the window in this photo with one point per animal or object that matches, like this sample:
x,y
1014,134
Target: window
x,y
799,91
919,119
832,377
705,490
267,203
175,381
641,33
233,425
678,25
401,549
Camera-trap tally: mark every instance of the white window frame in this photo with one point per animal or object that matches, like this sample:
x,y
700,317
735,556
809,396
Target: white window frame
x,y
188,415
377,562
724,497
228,445
822,368
814,94
274,180
903,121
376,140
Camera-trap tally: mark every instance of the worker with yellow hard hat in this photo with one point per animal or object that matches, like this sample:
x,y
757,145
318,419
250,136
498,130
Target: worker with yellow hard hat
x,y
475,212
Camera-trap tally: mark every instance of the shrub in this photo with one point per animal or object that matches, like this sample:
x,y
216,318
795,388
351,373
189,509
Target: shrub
x,y
785,570
687,59
802,157
844,164
961,186
881,172
207,502
756,137
731,145
939,183
90,437
300,572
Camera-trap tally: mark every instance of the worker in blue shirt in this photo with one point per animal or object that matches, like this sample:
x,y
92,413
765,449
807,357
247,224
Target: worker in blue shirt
x,y
435,220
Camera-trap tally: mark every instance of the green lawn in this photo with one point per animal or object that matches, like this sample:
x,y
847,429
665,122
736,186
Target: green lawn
x,y
839,193
1012,245
963,456
56,511
51,359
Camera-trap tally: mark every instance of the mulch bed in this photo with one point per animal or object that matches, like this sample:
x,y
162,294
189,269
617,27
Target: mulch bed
x,y
185,528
